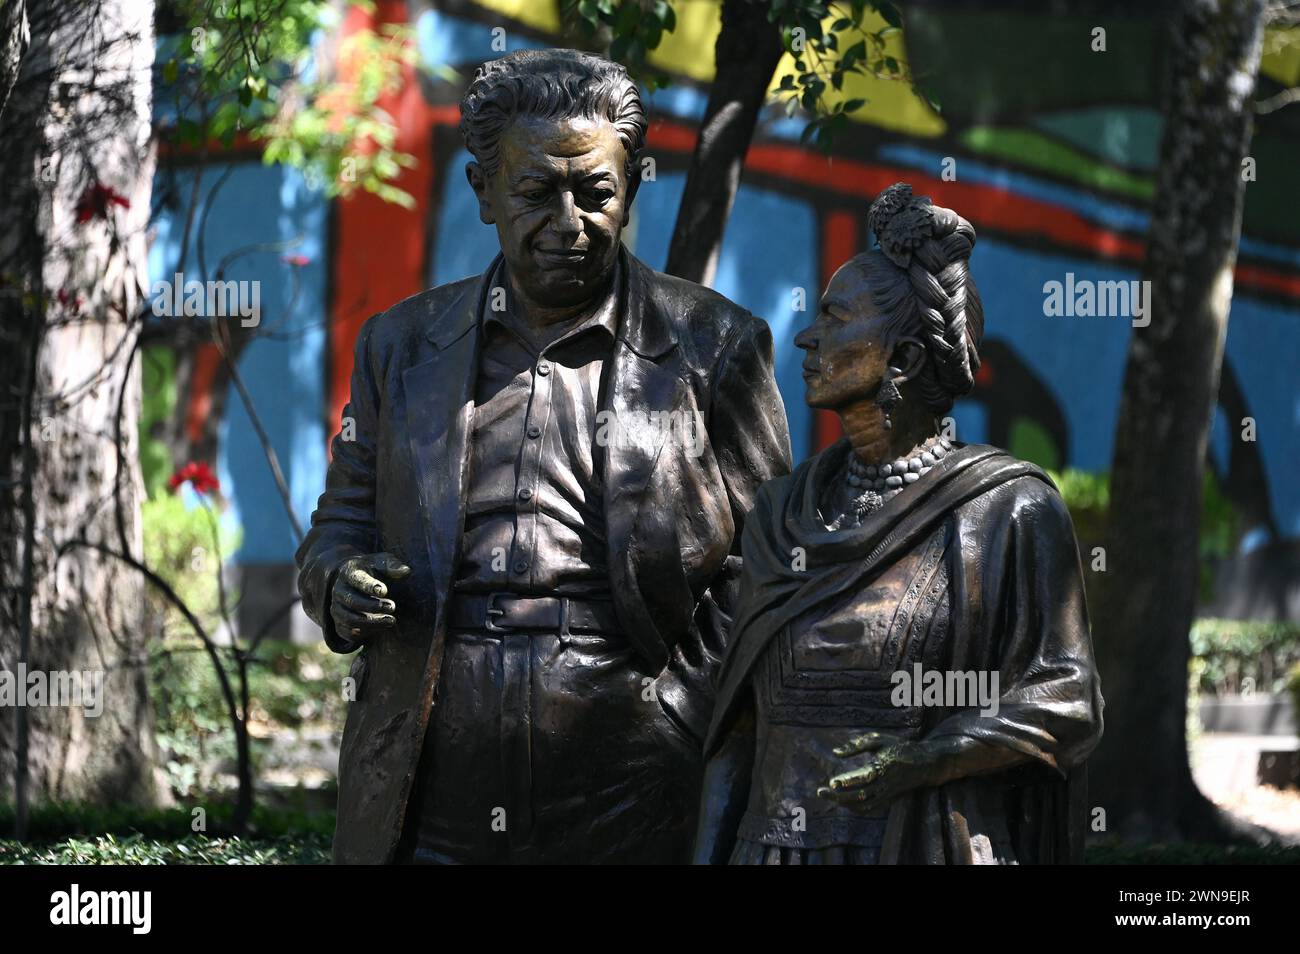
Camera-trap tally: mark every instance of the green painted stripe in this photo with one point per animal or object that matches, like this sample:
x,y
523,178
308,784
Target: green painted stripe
x,y
1043,153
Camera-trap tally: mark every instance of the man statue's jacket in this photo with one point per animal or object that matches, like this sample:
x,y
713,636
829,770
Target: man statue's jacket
x,y
674,508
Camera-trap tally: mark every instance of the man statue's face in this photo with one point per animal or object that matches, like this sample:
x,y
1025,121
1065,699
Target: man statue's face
x,y
559,199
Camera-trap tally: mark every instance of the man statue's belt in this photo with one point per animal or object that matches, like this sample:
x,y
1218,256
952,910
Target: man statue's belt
x,y
507,612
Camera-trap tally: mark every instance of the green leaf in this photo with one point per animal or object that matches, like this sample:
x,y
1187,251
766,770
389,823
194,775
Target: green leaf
x,y
665,14
854,53
627,18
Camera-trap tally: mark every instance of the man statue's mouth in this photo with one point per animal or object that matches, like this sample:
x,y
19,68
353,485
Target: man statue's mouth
x,y
563,254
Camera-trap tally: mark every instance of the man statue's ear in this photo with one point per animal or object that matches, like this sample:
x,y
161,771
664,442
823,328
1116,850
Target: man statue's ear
x,y
478,182
907,359
633,173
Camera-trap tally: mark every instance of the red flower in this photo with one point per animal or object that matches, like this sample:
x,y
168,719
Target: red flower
x,y
197,473
95,202
295,259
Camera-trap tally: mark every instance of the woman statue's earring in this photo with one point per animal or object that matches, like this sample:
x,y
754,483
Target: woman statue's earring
x,y
888,398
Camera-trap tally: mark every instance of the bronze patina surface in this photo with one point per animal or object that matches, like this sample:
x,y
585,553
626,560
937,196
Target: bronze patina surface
x,y
532,540
909,677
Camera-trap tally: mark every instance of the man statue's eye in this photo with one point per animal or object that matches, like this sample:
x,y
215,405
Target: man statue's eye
x,y
534,195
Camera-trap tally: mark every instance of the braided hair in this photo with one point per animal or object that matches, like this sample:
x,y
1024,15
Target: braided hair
x,y
920,280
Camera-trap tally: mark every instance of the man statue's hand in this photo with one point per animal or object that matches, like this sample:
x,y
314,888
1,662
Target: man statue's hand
x,y
892,768
359,602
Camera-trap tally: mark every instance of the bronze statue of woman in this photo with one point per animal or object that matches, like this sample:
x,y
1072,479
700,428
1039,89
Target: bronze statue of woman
x,y
909,677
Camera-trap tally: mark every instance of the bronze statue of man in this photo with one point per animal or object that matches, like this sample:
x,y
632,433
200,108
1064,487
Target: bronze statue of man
x,y
532,538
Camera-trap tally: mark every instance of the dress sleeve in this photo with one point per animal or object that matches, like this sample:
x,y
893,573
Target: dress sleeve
x,y
1049,703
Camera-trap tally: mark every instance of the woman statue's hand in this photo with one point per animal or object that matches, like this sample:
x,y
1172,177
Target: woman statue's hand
x,y
892,768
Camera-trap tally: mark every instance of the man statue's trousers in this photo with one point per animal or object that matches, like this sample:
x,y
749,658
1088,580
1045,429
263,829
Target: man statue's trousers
x,y
550,747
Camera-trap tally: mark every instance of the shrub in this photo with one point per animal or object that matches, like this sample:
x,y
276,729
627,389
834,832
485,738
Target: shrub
x,y
194,850
1087,496
1226,652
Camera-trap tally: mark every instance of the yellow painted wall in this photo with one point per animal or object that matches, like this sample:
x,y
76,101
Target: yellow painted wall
x,y
687,53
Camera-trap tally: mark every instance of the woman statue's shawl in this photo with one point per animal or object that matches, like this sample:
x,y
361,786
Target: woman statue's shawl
x,y
1017,608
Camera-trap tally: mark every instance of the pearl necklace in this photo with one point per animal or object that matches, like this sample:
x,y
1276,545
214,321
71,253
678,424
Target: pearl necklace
x,y
876,484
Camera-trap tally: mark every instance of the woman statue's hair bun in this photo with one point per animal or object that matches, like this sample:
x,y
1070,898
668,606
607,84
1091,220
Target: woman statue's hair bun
x,y
931,247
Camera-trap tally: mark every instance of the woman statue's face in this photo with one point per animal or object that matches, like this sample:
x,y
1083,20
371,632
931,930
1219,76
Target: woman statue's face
x,y
847,355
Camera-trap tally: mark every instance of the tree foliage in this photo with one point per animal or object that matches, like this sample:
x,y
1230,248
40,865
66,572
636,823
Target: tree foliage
x,y
265,69
828,41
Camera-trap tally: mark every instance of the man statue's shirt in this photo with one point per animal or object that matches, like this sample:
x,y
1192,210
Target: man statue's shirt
x,y
534,517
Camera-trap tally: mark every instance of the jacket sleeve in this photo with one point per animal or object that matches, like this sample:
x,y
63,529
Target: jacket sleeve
x,y
750,439
344,524
748,429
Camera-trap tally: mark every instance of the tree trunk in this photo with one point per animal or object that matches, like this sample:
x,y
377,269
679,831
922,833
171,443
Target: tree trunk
x,y
75,180
748,50
1147,596
14,38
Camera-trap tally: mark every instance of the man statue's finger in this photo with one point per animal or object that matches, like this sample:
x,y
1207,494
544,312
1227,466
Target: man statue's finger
x,y
390,567
358,578
354,623
356,600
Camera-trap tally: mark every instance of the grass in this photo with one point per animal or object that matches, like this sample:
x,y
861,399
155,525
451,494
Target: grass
x,y
90,835
94,835
308,849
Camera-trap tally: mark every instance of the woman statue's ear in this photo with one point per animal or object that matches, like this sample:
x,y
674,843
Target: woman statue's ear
x,y
907,359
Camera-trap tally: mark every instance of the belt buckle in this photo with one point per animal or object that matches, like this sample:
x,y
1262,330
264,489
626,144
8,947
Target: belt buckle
x,y
491,611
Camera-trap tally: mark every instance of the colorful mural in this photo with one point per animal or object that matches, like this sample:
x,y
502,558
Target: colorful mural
x,y
1047,146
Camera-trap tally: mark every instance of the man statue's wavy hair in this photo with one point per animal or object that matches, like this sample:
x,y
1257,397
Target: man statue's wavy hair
x,y
549,84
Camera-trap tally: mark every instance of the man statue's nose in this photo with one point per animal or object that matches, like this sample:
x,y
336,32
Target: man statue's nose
x,y
567,222
805,340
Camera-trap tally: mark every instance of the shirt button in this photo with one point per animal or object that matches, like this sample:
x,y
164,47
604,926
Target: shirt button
x,y
543,369
525,494
534,430
521,566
